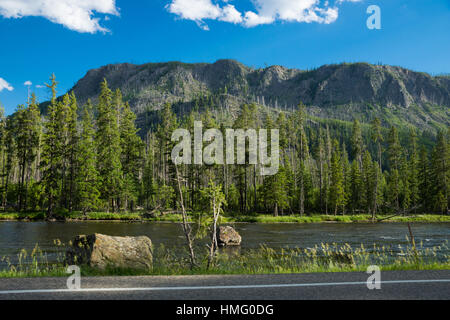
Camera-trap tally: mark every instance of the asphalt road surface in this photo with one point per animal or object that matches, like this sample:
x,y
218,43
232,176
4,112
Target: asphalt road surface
x,y
395,285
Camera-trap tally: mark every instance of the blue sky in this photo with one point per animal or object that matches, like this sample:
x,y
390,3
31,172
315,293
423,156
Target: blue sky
x,y
39,37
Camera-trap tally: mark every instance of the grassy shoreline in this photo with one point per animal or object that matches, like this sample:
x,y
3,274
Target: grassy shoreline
x,y
264,260
138,217
87,272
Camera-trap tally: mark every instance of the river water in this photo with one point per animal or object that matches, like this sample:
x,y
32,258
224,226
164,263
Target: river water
x,y
15,236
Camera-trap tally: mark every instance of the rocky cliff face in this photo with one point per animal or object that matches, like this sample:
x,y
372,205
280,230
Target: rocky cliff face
x,y
344,91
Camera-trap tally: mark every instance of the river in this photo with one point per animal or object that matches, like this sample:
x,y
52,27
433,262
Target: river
x,y
15,236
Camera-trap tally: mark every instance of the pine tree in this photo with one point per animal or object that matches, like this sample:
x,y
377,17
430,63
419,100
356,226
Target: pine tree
x,y
440,172
148,176
346,167
51,153
321,158
62,133
246,120
9,154
303,154
164,134
87,176
131,146
108,149
357,142
337,191
2,150
72,148
356,187
395,152
405,200
327,168
276,191
369,181
425,188
413,176
377,138
27,133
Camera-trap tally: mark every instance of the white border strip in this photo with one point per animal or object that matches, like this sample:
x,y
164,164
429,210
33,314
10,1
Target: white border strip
x,y
293,285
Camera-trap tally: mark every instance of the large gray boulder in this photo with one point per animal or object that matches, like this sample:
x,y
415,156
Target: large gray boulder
x,y
101,251
227,236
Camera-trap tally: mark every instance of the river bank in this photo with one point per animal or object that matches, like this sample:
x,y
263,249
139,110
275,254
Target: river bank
x,y
264,260
140,217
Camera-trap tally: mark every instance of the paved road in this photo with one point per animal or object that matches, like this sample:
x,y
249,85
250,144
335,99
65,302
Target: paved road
x,y
346,285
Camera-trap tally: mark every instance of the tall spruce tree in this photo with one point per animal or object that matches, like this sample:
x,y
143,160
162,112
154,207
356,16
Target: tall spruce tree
x,y
377,138
405,190
108,150
337,190
357,142
413,174
72,149
131,146
356,187
62,133
9,159
346,167
369,181
321,159
51,152
276,191
303,154
148,180
440,172
395,153
27,134
164,133
425,187
2,150
86,180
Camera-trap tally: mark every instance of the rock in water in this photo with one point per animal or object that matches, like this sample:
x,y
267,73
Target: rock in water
x,y
101,251
227,236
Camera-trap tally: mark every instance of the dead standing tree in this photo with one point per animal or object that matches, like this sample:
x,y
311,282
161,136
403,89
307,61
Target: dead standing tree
x,y
187,229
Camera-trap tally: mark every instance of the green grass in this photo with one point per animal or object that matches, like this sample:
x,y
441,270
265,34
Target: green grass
x,y
264,260
105,216
264,218
22,215
167,218
331,218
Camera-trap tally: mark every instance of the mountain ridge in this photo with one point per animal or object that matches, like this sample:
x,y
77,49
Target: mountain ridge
x,y
340,91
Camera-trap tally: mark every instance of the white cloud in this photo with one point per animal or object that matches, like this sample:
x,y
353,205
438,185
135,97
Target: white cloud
x,y
252,19
77,15
194,9
27,83
230,14
342,1
5,85
264,11
39,86
290,10
198,10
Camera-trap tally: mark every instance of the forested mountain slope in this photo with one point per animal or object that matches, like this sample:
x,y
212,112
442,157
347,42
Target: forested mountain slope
x,y
345,91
